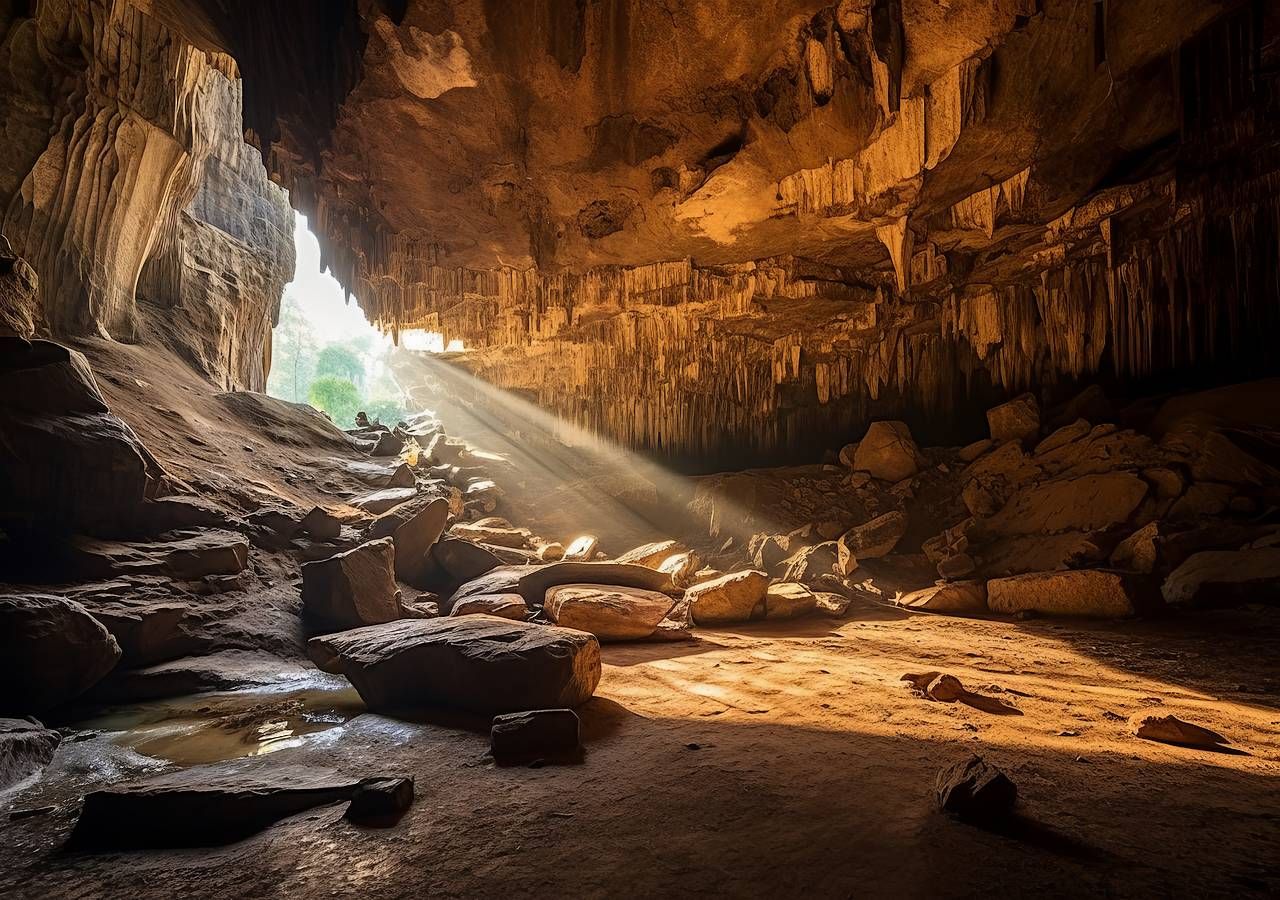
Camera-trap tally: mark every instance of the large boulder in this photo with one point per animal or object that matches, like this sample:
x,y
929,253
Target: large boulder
x,y
65,461
51,651
888,452
1017,420
463,561
610,612
954,597
1086,503
1078,592
26,747
735,597
477,663
413,528
875,538
1216,577
352,589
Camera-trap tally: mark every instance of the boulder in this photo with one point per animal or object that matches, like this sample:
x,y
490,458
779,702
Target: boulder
x,y
807,564
1219,577
832,605
533,585
956,597
352,589
975,791
788,600
1022,553
321,525
26,747
1140,551
389,444
768,551
413,528
66,462
957,565
51,651
381,474
875,538
537,734
651,554
204,805
504,606
476,663
1086,503
379,502
380,802
1017,420
1063,436
888,452
735,597
610,612
681,567
552,552
1202,500
1076,592
582,549
462,560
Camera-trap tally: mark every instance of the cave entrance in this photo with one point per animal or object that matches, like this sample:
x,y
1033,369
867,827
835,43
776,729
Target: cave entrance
x,y
324,351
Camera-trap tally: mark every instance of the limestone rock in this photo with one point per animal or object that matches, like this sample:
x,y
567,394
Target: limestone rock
x,y
962,597
1172,730
1200,501
888,452
379,502
610,612
1023,553
203,806
493,535
1077,592
551,552
1219,577
681,567
957,565
504,606
1140,551
414,529
26,747
876,538
51,651
1063,436
809,563
1017,420
380,474
976,791
351,589
971,452
537,734
735,597
476,663
832,605
788,600
652,554
1087,503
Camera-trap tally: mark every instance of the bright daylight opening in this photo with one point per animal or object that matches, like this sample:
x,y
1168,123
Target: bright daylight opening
x,y
326,353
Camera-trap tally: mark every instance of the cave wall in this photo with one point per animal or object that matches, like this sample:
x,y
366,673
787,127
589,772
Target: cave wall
x,y
126,184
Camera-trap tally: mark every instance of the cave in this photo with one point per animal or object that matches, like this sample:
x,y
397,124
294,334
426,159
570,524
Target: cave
x,y
624,448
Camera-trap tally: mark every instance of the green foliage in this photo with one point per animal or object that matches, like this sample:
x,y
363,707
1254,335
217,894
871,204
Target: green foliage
x,y
337,361
338,397
293,354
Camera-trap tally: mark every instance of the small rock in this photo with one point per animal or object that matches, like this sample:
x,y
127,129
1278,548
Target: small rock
x,y
956,566
1140,551
970,452
975,791
551,552
522,737
581,549
1172,730
380,802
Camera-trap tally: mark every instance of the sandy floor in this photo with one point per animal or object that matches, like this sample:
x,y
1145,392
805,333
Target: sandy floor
x,y
789,763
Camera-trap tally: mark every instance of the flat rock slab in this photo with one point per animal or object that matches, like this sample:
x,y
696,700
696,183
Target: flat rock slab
x,y
1079,592
653,554
186,556
380,474
25,748
204,805
224,670
477,663
610,612
956,597
504,606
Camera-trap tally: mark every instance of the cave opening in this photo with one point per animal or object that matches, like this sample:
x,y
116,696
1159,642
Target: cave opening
x,y
795,448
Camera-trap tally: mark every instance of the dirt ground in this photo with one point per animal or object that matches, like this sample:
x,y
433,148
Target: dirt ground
x,y
791,762
764,760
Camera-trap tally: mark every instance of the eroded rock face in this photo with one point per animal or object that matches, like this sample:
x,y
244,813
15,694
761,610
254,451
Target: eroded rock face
x,y
51,651
476,663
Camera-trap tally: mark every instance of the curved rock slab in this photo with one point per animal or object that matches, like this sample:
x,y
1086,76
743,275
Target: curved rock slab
x,y
476,663
610,612
51,651
504,606
534,586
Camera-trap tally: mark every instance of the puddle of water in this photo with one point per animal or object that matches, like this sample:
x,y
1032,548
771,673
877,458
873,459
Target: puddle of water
x,y
211,728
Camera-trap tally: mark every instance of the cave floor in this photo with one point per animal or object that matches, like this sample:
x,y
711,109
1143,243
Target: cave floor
x,y
780,760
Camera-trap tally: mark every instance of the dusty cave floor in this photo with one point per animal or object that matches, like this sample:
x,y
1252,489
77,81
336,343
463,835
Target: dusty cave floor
x,y
779,760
